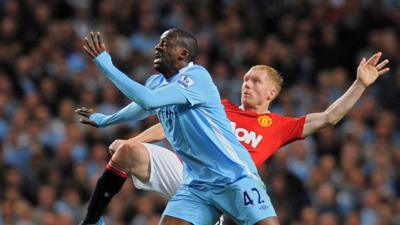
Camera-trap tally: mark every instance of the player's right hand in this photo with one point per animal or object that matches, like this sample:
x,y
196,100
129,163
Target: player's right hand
x,y
85,112
93,45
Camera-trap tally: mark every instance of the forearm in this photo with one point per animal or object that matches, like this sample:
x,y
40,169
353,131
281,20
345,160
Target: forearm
x,y
337,110
143,96
152,134
131,112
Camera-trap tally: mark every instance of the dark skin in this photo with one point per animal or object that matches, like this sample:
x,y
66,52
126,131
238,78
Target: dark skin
x,y
169,59
169,56
86,113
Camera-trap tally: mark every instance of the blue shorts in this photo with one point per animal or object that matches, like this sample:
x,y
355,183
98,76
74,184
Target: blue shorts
x,y
245,201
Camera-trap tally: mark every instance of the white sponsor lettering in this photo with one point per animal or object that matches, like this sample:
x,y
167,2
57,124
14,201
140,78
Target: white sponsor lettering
x,y
246,136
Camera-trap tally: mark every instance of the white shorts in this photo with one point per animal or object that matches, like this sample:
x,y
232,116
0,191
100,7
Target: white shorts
x,y
165,172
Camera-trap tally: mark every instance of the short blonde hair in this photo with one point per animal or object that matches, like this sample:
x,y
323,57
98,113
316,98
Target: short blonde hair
x,y
272,74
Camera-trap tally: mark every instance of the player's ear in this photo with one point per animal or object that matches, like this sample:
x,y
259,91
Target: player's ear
x,y
183,54
272,94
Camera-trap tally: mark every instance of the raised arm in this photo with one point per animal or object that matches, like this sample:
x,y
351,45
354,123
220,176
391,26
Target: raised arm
x,y
367,72
148,99
131,112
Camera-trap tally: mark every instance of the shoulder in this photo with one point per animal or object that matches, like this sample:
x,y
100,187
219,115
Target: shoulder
x,y
277,116
285,119
194,75
196,70
227,104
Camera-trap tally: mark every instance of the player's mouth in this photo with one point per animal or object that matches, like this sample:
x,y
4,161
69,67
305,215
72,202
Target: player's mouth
x,y
157,58
246,94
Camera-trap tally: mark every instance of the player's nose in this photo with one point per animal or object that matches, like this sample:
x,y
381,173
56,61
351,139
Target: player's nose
x,y
246,84
157,47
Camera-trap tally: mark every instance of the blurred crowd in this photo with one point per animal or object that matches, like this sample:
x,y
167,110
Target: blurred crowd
x,y
49,162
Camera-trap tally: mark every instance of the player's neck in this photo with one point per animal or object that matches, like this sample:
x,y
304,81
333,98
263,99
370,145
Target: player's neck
x,y
174,70
259,109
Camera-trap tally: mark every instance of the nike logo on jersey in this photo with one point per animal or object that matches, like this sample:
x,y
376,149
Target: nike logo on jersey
x,y
248,137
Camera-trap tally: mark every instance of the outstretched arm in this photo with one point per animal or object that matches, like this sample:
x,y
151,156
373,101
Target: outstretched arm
x,y
143,96
367,72
130,112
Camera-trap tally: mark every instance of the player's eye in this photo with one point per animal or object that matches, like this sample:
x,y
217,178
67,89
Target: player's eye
x,y
257,81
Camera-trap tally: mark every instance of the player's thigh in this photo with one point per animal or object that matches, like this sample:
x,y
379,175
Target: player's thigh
x,y
191,208
165,172
246,202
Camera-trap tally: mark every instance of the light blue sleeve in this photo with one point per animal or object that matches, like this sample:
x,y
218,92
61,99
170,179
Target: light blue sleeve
x,y
148,99
131,112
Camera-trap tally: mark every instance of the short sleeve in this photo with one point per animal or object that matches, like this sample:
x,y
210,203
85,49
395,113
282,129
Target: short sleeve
x,y
292,129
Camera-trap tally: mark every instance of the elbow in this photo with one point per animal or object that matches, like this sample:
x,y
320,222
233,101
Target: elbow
x,y
331,120
332,123
147,105
148,101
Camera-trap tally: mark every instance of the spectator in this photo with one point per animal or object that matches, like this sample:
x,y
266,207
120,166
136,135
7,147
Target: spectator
x,y
48,162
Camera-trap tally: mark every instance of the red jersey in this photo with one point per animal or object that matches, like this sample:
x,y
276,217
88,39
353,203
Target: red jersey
x,y
263,134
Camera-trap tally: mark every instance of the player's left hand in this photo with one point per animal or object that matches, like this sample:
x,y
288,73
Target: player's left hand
x,y
93,45
85,112
369,70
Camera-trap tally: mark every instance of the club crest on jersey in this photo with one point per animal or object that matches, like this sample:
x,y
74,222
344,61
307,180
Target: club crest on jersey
x,y
264,121
186,82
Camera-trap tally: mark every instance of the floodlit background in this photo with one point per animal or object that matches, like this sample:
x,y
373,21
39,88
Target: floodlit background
x,y
49,163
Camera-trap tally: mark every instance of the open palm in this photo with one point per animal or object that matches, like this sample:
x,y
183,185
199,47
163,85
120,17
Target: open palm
x,y
369,70
93,45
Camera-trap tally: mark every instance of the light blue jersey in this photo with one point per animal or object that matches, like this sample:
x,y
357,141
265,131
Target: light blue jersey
x,y
219,175
200,132
189,108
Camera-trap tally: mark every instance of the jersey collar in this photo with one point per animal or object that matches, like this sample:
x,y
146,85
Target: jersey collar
x,y
186,67
242,108
182,70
